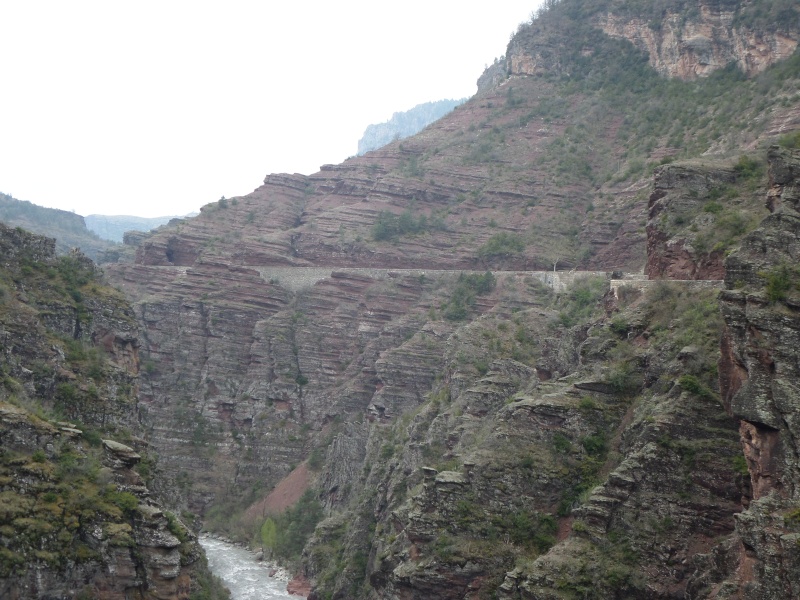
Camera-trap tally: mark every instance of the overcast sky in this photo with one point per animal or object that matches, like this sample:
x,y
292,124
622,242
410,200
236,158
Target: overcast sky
x,y
157,108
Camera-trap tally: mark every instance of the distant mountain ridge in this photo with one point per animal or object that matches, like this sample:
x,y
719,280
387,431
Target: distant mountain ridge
x,y
113,227
66,227
405,124
94,234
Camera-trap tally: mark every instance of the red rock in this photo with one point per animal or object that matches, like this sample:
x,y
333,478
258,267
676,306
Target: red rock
x,y
299,586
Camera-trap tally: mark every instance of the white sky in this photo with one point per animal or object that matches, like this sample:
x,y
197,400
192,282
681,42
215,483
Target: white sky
x,y
156,108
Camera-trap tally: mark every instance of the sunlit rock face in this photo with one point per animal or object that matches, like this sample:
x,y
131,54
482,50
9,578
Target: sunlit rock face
x,y
708,39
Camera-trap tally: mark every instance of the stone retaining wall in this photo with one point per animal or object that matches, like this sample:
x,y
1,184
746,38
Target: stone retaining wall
x,y
296,279
644,284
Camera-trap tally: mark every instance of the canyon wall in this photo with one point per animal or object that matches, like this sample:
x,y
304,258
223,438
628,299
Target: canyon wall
x,y
470,436
77,518
758,373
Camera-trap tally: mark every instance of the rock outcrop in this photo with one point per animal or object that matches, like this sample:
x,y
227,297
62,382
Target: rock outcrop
x,y
77,518
758,373
710,36
698,211
610,478
681,40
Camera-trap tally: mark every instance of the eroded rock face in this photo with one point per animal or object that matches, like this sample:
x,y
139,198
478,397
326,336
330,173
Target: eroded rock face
x,y
243,373
759,377
105,539
489,488
684,41
76,517
716,35
677,190
688,209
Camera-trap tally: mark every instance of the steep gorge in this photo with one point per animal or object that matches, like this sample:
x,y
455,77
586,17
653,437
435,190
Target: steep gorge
x,y
507,438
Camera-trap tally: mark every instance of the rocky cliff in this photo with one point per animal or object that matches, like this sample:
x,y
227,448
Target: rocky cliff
x,y
77,518
602,470
471,434
694,39
758,377
247,368
640,457
682,39
698,212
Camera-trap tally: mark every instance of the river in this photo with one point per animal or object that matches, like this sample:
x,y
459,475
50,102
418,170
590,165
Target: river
x,y
246,578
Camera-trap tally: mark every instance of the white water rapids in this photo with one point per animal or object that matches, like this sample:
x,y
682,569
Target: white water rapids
x,y
246,578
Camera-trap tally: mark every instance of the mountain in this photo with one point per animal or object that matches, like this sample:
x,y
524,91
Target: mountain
x,y
67,228
113,227
404,124
79,516
544,348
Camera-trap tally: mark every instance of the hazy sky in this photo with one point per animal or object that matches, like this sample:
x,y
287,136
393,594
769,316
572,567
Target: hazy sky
x,y
156,108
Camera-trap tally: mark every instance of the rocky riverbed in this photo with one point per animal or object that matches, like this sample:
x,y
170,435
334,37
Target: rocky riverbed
x,y
246,577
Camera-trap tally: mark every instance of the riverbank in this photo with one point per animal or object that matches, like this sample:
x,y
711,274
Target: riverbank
x,y
245,575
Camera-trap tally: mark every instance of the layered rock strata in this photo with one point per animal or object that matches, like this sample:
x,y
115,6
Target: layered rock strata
x,y
77,518
698,211
758,372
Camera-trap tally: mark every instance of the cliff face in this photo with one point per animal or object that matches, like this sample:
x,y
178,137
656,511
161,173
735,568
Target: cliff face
x,y
248,356
76,516
684,40
698,211
758,373
606,467
698,39
474,435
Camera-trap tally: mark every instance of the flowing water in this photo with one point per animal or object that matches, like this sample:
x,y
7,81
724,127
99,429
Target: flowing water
x,y
246,578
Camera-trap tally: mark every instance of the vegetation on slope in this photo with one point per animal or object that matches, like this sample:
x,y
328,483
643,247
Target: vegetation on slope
x,y
473,438
71,505
67,228
603,121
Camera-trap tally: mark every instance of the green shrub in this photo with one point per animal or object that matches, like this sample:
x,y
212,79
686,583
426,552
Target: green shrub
x,y
582,300
780,281
125,501
620,326
624,379
502,244
389,226
748,167
740,464
561,443
595,445
790,140
692,384
176,528
463,296
92,437
316,459
293,527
